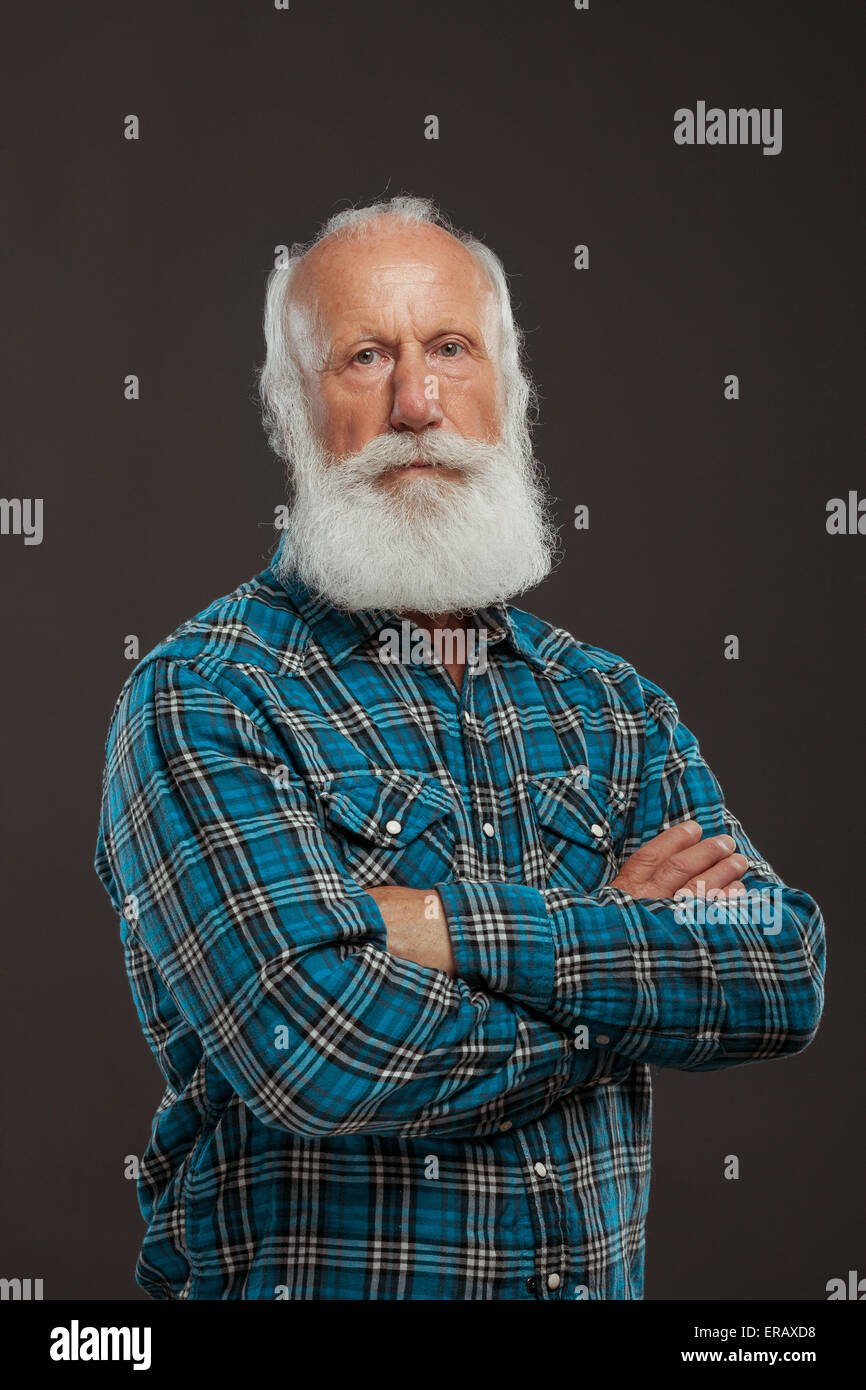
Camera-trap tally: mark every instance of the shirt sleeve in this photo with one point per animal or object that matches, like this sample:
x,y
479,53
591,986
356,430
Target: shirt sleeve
x,y
212,850
648,978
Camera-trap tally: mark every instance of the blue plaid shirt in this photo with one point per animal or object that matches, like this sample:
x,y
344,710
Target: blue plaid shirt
x,y
339,1123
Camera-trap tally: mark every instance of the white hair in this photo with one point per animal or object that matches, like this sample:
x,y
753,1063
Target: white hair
x,y
291,337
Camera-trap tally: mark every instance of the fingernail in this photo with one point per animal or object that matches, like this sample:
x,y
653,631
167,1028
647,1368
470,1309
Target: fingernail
x,y
725,842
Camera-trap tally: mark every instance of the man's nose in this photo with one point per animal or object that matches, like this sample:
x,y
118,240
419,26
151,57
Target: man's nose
x,y
416,396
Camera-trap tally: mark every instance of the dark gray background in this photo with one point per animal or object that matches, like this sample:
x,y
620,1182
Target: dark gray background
x,y
707,517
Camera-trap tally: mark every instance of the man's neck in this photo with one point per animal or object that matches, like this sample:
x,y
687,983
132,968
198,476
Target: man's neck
x,y
432,622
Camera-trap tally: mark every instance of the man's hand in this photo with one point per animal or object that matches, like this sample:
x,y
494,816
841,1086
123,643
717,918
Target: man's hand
x,y
678,858
416,926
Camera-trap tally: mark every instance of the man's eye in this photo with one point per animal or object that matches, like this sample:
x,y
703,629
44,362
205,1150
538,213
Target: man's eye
x,y
368,353
458,346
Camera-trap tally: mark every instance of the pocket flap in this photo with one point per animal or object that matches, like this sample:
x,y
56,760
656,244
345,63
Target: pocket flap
x,y
390,808
578,805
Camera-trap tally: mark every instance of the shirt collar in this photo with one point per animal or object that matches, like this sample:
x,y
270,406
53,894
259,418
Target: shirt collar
x,y
340,633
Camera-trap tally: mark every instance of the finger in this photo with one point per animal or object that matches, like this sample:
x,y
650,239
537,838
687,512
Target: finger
x,y
690,863
646,861
721,875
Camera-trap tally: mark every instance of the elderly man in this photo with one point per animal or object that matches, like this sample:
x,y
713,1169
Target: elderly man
x,y
406,930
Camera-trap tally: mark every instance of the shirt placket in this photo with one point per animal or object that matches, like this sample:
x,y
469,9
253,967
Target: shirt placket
x,y
543,1187
547,1202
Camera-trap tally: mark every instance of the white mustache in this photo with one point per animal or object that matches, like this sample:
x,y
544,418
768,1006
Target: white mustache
x,y
440,448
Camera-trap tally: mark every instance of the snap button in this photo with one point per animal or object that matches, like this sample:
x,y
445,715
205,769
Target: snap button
x,y
506,1124
553,1281
488,828
597,831
393,827
603,1039
540,1169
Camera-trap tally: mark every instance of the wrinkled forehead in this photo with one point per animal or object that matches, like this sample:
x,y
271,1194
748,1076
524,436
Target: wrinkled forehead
x,y
343,283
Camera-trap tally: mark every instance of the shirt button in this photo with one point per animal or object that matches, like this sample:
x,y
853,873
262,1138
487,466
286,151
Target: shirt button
x,y
553,1281
602,1079
506,1124
597,831
488,828
540,1169
603,1039
393,827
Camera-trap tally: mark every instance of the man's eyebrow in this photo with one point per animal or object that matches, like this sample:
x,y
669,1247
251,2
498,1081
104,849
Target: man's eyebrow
x,y
339,345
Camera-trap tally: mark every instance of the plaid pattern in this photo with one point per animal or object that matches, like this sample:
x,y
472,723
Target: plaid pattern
x,y
338,1123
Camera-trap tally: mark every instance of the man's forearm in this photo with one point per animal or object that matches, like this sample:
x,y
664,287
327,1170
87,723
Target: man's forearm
x,y
417,928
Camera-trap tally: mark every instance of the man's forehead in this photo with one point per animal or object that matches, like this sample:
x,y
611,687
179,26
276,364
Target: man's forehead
x,y
396,272
416,286
347,275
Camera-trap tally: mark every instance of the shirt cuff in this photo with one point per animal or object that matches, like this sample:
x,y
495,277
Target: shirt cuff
x,y
502,939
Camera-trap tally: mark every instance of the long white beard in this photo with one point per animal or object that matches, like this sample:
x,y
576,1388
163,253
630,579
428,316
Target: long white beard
x,y
427,542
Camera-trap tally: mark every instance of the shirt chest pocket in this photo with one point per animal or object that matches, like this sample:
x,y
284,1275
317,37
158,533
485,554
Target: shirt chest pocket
x,y
391,827
577,825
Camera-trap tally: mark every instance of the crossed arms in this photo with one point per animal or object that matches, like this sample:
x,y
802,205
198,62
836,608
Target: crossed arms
x,y
291,977
675,860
